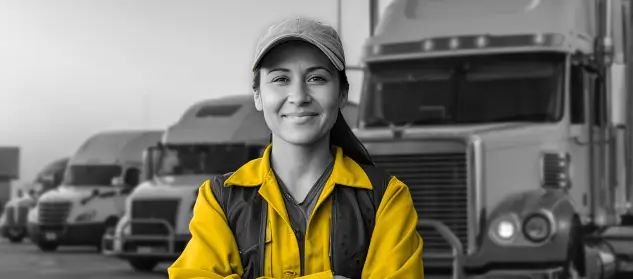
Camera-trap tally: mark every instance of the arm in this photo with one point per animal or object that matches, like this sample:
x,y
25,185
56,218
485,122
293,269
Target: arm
x,y
395,250
212,252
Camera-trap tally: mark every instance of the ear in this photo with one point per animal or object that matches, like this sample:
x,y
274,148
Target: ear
x,y
257,97
343,98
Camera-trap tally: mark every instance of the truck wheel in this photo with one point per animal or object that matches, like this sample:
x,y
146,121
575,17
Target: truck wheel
x,y
47,246
143,264
15,239
110,228
15,236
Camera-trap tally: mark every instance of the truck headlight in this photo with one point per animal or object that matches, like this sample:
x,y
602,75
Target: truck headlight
x,y
504,229
86,216
536,228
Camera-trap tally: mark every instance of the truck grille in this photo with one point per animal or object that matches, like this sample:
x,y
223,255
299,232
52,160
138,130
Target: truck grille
x,y
154,209
54,213
439,187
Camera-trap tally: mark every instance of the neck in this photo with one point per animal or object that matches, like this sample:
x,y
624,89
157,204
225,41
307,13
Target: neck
x,y
300,165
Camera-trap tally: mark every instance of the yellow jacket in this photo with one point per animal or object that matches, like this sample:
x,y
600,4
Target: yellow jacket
x,y
395,250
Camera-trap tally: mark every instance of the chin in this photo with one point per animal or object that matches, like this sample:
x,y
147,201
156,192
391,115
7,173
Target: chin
x,y
301,138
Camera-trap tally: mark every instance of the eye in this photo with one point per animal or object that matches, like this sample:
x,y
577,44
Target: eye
x,y
281,80
318,79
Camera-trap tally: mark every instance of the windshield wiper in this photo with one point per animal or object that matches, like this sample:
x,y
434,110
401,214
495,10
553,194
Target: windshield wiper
x,y
531,117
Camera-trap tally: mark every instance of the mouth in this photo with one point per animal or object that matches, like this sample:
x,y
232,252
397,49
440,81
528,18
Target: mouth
x,y
299,115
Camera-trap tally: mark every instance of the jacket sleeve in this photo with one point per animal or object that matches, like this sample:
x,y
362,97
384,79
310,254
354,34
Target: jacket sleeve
x,y
395,250
212,252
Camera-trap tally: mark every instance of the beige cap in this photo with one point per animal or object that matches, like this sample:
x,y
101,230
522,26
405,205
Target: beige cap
x,y
320,35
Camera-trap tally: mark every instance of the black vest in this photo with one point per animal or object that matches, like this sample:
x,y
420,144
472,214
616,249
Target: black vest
x,y
353,216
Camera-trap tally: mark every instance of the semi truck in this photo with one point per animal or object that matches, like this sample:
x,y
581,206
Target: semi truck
x,y
212,137
511,123
91,197
13,220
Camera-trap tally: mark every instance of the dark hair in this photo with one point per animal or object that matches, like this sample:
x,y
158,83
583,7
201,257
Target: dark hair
x,y
341,134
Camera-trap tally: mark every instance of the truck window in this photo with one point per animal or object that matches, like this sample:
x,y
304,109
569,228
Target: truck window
x,y
459,90
581,81
203,159
577,98
91,175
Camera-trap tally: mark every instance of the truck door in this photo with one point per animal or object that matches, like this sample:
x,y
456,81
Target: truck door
x,y
586,99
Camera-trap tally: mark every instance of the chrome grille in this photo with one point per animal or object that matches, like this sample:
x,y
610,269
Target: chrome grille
x,y
10,215
53,213
439,187
154,209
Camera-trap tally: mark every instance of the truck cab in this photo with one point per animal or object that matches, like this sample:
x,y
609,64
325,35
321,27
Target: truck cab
x,y
13,220
213,137
91,197
509,121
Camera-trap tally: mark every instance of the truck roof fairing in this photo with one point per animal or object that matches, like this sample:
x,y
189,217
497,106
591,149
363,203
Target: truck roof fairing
x,y
232,119
115,147
570,23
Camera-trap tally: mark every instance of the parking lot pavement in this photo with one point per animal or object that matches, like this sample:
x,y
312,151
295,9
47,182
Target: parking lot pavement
x,y
26,261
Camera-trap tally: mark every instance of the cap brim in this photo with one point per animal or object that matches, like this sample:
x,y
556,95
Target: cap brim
x,y
298,37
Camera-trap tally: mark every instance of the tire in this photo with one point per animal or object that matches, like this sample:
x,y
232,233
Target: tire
x,y
144,265
47,246
109,228
15,239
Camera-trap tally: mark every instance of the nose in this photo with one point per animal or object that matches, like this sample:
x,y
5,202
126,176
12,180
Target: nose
x,y
299,94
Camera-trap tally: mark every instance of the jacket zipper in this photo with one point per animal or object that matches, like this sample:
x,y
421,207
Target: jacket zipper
x,y
301,251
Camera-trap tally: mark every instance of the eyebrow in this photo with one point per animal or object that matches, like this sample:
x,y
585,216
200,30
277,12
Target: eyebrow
x,y
311,69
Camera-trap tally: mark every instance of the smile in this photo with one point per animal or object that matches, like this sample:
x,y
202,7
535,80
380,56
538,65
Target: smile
x,y
299,117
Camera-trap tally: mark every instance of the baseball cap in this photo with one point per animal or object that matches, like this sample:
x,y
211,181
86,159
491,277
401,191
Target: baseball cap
x,y
316,33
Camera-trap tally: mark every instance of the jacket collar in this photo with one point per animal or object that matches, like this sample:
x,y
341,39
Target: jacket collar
x,y
346,172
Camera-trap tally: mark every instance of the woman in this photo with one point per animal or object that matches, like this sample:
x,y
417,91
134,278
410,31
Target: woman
x,y
304,209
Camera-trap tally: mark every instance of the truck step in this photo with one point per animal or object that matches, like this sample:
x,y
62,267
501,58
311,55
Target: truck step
x,y
620,239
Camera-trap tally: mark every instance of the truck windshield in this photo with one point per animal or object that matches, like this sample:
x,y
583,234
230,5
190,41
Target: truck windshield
x,y
91,175
202,159
459,90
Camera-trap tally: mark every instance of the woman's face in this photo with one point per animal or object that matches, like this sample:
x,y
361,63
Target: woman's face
x,y
299,93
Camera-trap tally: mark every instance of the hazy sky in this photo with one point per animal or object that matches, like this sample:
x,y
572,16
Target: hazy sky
x,y
72,68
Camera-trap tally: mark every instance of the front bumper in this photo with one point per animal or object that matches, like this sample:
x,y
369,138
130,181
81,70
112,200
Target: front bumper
x,y
161,247
457,259
68,234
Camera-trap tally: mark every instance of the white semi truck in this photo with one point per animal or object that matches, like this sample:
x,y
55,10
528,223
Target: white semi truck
x,y
91,197
511,123
13,219
213,137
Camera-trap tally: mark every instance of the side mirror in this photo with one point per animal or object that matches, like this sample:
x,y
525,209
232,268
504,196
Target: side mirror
x,y
150,158
117,182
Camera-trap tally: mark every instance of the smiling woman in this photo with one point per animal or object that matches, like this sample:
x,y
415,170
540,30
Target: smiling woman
x,y
310,207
